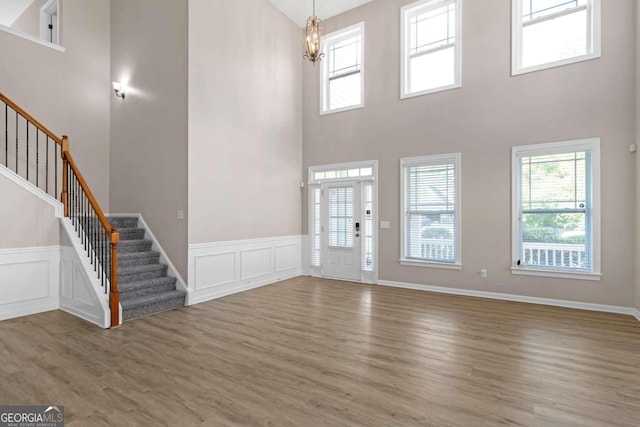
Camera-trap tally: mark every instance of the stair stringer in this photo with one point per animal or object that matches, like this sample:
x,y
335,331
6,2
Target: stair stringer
x,y
164,258
81,293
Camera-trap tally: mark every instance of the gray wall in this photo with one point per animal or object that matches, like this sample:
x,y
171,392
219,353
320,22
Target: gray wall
x,y
68,91
486,117
636,259
245,123
149,49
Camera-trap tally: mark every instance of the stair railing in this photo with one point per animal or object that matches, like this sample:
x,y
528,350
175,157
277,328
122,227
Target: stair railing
x,y
26,147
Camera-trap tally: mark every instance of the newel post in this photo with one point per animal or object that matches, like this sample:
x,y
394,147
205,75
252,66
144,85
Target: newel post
x,y
114,295
64,197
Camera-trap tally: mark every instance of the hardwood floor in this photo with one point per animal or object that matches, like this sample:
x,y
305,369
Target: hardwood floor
x,y
311,352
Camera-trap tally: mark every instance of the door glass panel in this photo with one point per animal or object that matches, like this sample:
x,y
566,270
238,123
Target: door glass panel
x,y
341,217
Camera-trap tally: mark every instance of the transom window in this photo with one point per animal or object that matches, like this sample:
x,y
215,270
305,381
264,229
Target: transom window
x,y
556,212
342,70
338,174
430,201
549,33
431,46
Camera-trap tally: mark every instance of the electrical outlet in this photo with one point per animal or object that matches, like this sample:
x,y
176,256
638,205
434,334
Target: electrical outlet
x,y
484,273
180,214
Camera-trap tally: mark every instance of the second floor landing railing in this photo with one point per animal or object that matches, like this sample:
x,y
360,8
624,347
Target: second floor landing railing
x,y
42,158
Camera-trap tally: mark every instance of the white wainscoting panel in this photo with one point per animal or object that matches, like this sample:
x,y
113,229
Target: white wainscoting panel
x,y
256,263
81,294
29,281
223,268
215,270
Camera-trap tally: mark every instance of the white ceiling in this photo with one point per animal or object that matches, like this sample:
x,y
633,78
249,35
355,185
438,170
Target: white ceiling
x,y
300,10
10,10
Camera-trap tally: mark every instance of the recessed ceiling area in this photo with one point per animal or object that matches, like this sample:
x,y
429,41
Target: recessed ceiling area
x,y
300,10
10,10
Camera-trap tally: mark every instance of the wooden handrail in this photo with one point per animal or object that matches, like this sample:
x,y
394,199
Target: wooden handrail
x,y
30,118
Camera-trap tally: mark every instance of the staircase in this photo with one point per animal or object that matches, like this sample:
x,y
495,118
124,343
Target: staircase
x,y
144,285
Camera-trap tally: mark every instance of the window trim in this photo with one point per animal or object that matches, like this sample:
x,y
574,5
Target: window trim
x,y
516,40
592,144
456,158
405,39
324,72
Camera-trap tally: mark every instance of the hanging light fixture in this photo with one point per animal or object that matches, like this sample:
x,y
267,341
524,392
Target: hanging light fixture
x,y
313,38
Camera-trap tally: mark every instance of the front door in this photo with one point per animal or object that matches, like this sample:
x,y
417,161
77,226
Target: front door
x,y
342,230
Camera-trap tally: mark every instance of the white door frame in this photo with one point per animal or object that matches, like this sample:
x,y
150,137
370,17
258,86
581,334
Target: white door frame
x,y
46,12
314,182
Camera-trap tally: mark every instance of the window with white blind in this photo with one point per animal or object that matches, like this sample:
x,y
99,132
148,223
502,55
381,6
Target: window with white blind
x,y
431,41
342,76
430,192
550,33
315,225
556,215
367,230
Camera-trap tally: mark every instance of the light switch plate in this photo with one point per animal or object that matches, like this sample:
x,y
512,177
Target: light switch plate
x,y
180,214
385,225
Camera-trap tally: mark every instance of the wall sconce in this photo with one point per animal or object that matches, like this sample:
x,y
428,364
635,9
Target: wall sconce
x,y
120,90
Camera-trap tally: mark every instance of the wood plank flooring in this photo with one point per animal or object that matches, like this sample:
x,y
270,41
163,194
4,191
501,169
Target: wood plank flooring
x,y
311,352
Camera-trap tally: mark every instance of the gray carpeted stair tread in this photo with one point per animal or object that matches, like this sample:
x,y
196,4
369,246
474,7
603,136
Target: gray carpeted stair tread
x,y
135,246
148,291
152,299
135,255
143,283
141,268
123,221
153,308
129,259
138,273
131,233
149,283
134,242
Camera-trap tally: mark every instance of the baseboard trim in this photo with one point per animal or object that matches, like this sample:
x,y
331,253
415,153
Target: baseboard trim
x,y
514,298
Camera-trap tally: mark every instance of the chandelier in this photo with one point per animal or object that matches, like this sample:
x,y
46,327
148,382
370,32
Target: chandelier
x,y
313,38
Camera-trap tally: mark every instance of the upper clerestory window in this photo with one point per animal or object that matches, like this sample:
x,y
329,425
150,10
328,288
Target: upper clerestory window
x,y
551,33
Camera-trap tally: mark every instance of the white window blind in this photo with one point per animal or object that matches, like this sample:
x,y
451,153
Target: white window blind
x,y
556,207
553,32
367,228
316,227
431,33
341,217
342,73
430,209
